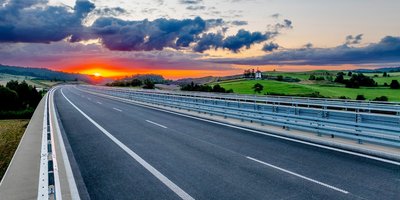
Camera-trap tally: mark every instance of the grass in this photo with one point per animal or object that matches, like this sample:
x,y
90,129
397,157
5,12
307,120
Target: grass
x,y
4,78
298,89
245,87
11,132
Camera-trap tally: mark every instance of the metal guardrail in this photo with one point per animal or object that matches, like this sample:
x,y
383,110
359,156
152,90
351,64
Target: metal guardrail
x,y
369,122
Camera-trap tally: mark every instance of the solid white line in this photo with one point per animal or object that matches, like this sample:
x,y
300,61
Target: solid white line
x,y
117,109
250,130
43,170
99,102
181,193
54,153
70,176
300,176
156,124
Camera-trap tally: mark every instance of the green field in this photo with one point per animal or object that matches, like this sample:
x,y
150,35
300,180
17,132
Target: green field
x,y
306,87
4,78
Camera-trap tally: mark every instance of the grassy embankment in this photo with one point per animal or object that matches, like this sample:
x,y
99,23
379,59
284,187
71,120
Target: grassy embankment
x,y
11,132
325,88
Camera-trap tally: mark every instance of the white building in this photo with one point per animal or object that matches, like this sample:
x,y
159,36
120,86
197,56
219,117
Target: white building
x,y
258,74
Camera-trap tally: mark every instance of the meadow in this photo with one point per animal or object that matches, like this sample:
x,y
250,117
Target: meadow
x,y
307,88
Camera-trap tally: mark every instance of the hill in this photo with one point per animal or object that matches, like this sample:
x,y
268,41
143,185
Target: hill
x,y
47,74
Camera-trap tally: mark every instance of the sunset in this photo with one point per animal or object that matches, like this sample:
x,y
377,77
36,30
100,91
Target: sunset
x,y
181,39
199,99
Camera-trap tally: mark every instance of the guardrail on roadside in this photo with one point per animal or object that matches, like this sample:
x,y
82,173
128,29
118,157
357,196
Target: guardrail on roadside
x,y
364,122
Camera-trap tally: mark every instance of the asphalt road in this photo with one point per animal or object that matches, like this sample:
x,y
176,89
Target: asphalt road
x,y
125,151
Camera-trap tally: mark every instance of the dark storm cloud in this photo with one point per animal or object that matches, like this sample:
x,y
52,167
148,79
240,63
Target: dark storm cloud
x,y
23,21
20,22
242,39
385,51
147,35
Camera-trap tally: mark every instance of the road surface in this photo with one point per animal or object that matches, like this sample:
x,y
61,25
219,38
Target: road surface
x,y
126,151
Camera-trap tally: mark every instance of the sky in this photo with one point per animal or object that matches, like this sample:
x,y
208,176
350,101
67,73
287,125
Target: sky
x,y
195,38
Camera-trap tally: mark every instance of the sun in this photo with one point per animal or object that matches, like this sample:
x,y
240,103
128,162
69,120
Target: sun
x,y
97,74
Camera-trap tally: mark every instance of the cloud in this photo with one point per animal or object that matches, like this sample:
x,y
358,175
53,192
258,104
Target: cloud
x,y
47,24
196,7
107,11
117,34
239,23
276,15
191,1
44,24
269,47
386,50
350,39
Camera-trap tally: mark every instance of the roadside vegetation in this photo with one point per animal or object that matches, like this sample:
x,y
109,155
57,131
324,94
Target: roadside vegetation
x,y
18,100
205,88
11,132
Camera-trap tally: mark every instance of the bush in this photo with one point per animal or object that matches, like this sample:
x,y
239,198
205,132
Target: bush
x,y
343,97
360,97
381,98
394,84
279,78
312,77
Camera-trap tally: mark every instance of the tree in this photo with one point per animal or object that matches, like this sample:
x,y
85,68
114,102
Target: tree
x,y
312,77
349,73
339,78
258,88
394,84
9,99
279,78
358,80
136,82
385,74
320,78
148,84
360,97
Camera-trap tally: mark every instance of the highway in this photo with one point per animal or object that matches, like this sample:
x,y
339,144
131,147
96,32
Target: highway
x,y
126,151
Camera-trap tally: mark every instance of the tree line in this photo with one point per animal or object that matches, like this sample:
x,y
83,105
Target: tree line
x,y
205,88
18,100
146,84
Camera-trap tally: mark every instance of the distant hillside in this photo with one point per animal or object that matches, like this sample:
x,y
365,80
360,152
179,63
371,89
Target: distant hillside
x,y
46,74
205,80
378,70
